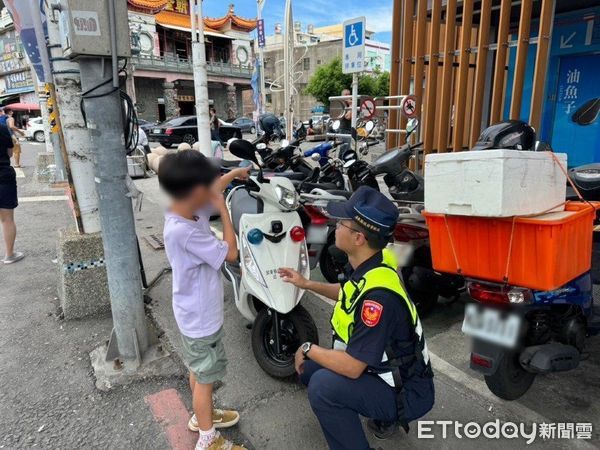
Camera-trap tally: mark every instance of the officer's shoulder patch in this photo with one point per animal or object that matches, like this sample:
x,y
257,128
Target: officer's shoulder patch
x,y
371,313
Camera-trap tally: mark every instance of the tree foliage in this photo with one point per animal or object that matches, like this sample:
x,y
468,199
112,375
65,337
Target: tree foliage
x,y
329,81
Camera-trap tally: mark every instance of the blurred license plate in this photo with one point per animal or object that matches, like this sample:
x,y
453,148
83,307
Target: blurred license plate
x,y
491,325
403,252
156,131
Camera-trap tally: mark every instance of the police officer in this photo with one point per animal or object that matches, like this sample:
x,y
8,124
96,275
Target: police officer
x,y
378,367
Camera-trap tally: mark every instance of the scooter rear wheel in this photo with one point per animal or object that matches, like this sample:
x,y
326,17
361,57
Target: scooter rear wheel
x,y
295,327
510,381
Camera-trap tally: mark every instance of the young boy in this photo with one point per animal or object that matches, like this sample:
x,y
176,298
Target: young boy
x,y
196,255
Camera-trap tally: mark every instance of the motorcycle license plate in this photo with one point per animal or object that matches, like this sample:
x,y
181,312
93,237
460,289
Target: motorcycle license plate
x,y
491,325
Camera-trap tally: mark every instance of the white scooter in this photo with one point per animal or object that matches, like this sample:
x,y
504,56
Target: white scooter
x,y
270,236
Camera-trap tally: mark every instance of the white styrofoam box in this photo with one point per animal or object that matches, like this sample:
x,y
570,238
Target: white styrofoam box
x,y
494,183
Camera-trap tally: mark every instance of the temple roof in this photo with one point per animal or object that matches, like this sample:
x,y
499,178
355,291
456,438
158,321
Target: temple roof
x,y
151,6
168,17
231,17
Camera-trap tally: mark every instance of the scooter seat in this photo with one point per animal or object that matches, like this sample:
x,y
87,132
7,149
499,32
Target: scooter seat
x,y
341,193
289,175
307,187
226,163
242,203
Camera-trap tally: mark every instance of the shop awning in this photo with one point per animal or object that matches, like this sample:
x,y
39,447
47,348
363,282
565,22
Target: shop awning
x,y
7,96
23,106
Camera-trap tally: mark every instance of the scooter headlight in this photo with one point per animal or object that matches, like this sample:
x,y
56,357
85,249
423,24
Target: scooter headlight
x,y
250,264
287,198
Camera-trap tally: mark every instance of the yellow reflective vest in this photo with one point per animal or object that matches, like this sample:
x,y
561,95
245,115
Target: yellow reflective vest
x,y
383,277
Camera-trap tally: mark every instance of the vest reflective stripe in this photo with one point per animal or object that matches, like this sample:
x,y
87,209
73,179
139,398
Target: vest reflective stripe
x,y
383,277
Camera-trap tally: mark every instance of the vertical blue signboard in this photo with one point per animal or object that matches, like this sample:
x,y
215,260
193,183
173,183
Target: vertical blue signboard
x,y
575,44
260,29
576,129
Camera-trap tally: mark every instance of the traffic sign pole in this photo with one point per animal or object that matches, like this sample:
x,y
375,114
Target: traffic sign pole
x,y
354,99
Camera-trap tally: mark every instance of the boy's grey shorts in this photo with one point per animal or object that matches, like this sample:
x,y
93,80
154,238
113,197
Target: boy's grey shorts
x,y
205,357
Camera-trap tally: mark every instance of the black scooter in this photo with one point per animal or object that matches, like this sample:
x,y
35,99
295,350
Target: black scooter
x,y
411,235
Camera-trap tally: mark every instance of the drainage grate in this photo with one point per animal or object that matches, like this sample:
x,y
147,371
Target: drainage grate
x,y
155,241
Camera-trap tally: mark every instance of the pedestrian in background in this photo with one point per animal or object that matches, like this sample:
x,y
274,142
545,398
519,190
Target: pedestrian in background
x,y
14,130
214,125
8,197
143,140
196,255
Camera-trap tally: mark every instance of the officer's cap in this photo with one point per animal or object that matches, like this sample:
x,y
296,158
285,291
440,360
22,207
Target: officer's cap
x,y
369,208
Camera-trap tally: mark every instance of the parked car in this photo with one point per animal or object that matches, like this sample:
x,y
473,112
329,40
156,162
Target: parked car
x,y
184,129
147,125
35,129
245,124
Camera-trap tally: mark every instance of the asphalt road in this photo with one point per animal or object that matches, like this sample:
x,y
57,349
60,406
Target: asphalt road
x,y
48,398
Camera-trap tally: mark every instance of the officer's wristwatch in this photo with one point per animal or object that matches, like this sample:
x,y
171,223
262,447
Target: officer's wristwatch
x,y
306,348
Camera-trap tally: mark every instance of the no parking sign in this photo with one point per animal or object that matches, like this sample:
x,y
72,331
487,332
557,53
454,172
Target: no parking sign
x,y
368,108
409,106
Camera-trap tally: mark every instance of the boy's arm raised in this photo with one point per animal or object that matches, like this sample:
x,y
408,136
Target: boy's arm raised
x,y
228,232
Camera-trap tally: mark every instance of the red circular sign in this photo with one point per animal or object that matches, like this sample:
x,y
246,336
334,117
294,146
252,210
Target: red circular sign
x,y
368,108
409,106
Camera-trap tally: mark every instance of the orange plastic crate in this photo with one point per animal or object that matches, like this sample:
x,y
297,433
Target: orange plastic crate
x,y
547,250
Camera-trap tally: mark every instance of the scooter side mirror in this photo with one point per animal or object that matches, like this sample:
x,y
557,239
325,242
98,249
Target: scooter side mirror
x,y
243,150
411,126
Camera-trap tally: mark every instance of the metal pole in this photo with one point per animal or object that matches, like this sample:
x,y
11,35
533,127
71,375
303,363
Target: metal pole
x,y
200,77
129,338
354,99
51,110
67,80
261,55
43,100
288,69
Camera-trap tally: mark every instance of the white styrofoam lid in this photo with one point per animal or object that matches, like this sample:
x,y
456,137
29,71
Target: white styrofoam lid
x,y
490,154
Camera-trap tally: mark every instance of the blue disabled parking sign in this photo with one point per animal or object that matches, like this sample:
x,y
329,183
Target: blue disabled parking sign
x,y
354,46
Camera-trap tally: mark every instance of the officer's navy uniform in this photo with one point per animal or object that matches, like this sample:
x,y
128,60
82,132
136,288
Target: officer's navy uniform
x,y
386,335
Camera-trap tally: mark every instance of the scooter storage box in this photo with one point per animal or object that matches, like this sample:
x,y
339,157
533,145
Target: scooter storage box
x,y
494,183
542,252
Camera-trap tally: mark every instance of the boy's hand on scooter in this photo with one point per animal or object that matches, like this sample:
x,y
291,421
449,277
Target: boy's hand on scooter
x,y
292,276
243,173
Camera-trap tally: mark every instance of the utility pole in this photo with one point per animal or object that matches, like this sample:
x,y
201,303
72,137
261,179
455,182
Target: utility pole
x,y
105,123
98,53
261,56
200,77
78,154
288,68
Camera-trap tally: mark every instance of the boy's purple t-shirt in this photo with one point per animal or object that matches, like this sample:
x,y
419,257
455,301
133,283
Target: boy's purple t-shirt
x,y
196,256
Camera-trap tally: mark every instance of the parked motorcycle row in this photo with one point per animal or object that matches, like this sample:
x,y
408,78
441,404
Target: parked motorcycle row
x,y
280,219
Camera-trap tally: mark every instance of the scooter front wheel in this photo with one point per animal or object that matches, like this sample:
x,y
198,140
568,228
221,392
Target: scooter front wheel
x,y
275,353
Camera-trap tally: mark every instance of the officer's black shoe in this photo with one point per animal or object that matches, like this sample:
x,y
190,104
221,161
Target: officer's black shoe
x,y
382,430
